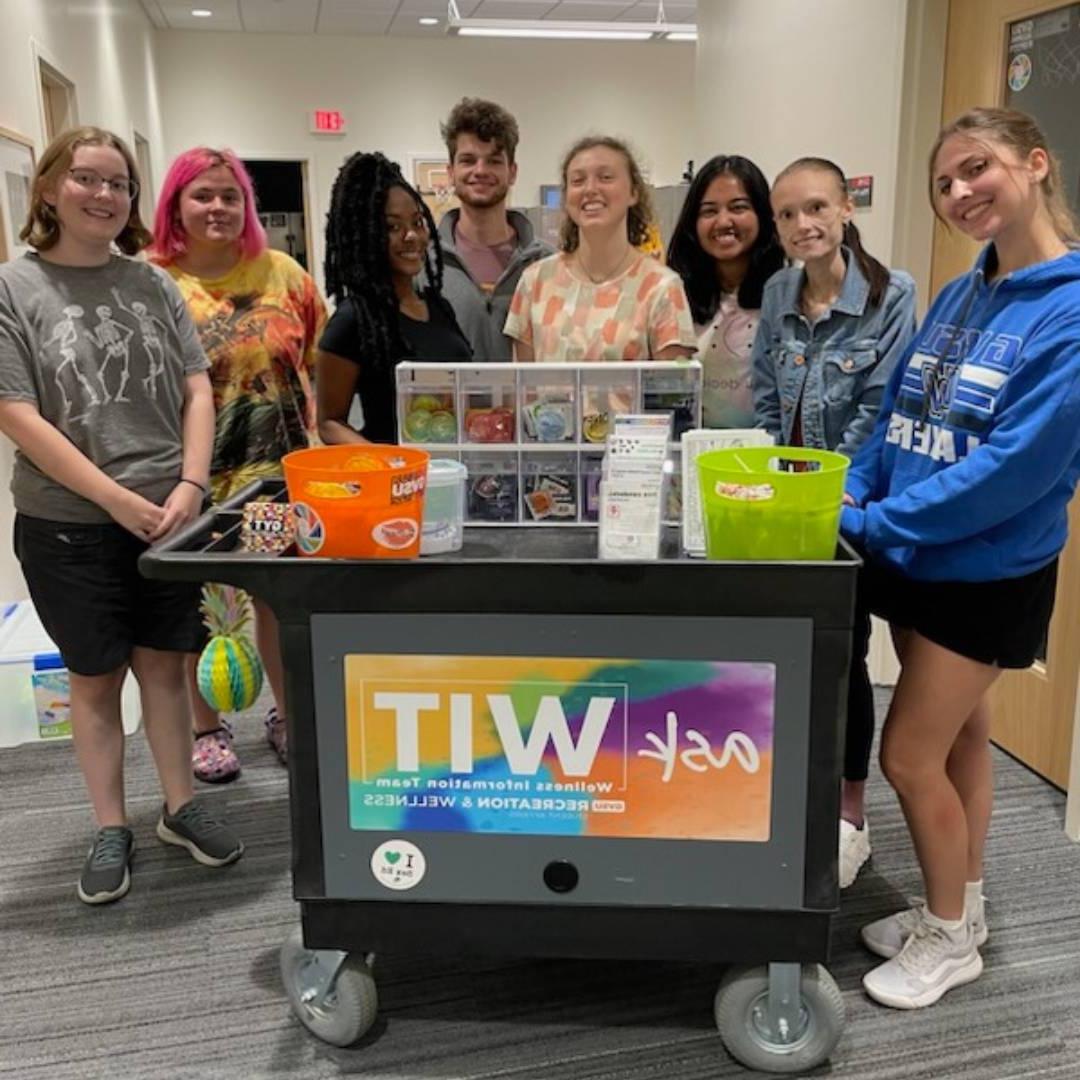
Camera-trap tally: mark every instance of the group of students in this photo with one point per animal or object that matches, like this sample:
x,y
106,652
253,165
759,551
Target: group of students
x,y
135,389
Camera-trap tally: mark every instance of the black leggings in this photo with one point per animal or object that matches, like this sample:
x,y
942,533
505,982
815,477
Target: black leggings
x,y
860,699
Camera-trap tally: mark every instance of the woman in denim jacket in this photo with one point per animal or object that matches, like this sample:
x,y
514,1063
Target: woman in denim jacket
x,y
829,337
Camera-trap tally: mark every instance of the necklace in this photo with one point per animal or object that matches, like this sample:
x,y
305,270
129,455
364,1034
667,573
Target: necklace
x,y
604,277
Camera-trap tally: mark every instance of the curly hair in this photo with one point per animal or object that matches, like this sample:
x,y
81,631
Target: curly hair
x,y
357,265
484,119
42,228
640,215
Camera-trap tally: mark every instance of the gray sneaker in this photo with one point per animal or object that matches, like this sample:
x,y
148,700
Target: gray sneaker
x,y
106,874
193,827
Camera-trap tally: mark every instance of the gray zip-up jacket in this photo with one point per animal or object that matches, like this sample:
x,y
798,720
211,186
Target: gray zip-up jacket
x,y
482,317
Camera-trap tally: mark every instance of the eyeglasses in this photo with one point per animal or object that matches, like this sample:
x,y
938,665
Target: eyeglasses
x,y
122,186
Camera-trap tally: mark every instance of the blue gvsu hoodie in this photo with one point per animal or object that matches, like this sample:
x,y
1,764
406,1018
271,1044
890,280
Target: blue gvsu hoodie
x,y
975,455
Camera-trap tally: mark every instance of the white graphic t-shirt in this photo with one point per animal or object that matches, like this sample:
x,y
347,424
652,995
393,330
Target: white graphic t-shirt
x,y
724,347
103,353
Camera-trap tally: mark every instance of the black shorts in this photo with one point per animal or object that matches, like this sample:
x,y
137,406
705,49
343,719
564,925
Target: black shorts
x,y
1002,622
92,600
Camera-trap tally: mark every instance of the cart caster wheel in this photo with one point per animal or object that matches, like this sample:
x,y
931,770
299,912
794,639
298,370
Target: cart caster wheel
x,y
780,1032
333,994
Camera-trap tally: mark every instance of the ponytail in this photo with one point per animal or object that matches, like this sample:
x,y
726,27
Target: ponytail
x,y
875,272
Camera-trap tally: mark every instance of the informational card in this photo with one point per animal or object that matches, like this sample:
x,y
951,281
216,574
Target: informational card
x,y
632,488
693,444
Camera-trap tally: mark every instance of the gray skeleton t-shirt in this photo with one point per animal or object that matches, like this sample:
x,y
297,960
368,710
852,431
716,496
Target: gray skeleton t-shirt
x,y
103,353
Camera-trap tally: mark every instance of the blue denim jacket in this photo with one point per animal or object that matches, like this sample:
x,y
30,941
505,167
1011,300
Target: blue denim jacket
x,y
838,366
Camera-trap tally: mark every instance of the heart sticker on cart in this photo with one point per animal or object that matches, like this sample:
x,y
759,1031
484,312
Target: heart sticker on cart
x,y
398,864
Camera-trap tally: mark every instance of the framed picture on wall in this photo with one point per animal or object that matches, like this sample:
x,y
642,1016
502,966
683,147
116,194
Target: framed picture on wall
x,y
431,177
16,177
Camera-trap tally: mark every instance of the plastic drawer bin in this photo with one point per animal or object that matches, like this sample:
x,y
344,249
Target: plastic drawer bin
x,y
519,749
34,683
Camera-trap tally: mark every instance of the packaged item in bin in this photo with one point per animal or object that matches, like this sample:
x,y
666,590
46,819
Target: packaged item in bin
x,y
551,496
493,497
430,419
268,527
494,425
548,419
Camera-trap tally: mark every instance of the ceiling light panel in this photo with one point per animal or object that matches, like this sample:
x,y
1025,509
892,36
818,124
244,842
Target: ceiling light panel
x,y
279,16
226,15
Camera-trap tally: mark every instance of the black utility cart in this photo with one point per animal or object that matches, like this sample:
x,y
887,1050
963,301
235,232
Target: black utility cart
x,y
437,847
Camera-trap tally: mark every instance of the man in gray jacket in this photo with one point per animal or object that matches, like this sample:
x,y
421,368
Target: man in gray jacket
x,y
485,246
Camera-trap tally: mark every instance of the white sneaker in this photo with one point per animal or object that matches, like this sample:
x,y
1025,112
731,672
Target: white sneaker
x,y
931,963
854,851
886,937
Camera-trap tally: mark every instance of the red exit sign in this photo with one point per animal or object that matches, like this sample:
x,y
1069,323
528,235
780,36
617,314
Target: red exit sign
x,y
327,122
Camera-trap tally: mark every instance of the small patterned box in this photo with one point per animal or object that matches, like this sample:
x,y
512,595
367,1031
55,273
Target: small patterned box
x,y
268,527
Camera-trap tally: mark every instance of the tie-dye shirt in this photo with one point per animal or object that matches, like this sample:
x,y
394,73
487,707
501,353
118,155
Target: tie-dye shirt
x,y
259,325
632,317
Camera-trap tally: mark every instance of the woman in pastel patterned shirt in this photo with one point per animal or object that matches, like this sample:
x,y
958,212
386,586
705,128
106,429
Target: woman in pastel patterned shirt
x,y
725,248
259,316
599,298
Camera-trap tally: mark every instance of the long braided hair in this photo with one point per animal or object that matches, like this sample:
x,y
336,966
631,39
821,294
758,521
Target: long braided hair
x,y
357,263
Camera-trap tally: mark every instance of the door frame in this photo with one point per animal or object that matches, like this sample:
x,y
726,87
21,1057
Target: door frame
x,y
306,177
977,30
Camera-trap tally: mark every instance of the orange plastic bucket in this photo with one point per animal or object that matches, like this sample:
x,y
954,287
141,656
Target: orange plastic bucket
x,y
357,502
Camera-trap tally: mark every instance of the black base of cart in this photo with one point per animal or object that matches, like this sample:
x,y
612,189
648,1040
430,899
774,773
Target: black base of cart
x,y
520,749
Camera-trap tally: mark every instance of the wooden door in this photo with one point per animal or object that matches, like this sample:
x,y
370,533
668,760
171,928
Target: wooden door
x,y
1034,709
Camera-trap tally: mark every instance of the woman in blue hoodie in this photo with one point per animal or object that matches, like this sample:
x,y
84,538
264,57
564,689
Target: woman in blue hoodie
x,y
959,501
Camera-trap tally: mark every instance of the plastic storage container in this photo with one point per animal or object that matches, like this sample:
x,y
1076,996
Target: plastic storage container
x,y
444,507
766,502
34,690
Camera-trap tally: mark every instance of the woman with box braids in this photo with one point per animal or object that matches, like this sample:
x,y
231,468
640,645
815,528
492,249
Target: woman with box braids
x,y
380,235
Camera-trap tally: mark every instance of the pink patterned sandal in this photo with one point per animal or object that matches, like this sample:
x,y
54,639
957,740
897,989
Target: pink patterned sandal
x,y
213,759
277,735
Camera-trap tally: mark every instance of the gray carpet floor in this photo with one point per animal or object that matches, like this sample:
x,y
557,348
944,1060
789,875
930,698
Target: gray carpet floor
x,y
180,979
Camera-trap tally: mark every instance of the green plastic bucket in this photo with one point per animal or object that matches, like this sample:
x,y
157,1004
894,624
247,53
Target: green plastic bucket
x,y
771,502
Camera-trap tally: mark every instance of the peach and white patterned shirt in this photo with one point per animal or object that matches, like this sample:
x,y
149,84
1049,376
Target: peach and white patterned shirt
x,y
631,317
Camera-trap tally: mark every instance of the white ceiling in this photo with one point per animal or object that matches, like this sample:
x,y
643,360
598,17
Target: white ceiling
x,y
393,16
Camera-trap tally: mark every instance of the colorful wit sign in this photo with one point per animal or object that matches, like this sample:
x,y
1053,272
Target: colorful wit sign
x,y
654,749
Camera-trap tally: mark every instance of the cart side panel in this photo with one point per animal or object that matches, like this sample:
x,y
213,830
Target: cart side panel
x,y
493,867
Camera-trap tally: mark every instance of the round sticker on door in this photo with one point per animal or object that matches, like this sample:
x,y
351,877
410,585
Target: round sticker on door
x,y
397,864
1019,72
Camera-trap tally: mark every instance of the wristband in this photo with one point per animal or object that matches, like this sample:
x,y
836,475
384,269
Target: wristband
x,y
194,483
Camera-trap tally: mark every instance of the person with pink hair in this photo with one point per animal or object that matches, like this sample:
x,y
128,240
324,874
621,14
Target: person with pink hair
x,y
259,317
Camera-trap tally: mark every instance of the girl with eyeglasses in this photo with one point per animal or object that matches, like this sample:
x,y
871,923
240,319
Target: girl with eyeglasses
x,y
104,391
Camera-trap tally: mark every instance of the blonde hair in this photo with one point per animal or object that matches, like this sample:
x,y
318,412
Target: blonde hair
x,y
42,228
639,216
1019,132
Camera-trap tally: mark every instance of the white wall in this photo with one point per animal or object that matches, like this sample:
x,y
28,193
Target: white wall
x,y
253,92
106,48
788,78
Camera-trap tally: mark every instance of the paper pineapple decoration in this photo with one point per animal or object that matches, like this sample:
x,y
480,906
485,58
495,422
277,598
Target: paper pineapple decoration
x,y
229,673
